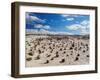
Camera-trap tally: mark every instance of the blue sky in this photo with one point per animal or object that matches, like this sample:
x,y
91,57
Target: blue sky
x,y
58,23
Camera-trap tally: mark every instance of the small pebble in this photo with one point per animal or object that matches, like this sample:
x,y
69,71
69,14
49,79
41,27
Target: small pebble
x,y
30,54
84,51
47,61
62,61
29,59
76,59
87,56
37,58
52,59
78,54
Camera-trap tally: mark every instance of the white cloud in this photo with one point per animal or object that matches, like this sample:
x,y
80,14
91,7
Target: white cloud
x,y
73,27
64,33
44,31
70,15
70,19
31,31
85,23
46,27
64,15
35,31
84,27
38,26
83,31
41,26
34,18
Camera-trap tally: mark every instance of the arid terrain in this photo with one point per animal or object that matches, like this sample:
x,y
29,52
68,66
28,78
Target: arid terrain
x,y
54,50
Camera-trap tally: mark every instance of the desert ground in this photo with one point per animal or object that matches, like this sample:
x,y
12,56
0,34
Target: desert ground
x,y
46,50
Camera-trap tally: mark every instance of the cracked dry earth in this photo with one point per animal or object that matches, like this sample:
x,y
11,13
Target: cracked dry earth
x,y
56,50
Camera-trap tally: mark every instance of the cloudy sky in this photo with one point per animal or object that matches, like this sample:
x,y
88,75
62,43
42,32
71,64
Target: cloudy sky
x,y
76,24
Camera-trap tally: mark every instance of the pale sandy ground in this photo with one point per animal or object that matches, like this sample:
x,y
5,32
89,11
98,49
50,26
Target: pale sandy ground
x,y
52,51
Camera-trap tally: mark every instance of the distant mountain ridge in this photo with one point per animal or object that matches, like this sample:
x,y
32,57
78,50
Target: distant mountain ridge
x,y
45,32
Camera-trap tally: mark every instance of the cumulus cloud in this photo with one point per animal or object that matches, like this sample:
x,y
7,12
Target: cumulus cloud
x,y
69,15
83,27
34,18
46,27
64,33
40,26
64,15
83,31
85,23
74,27
45,31
69,19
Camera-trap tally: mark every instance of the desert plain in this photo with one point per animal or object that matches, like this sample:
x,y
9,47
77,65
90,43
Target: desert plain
x,y
55,50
